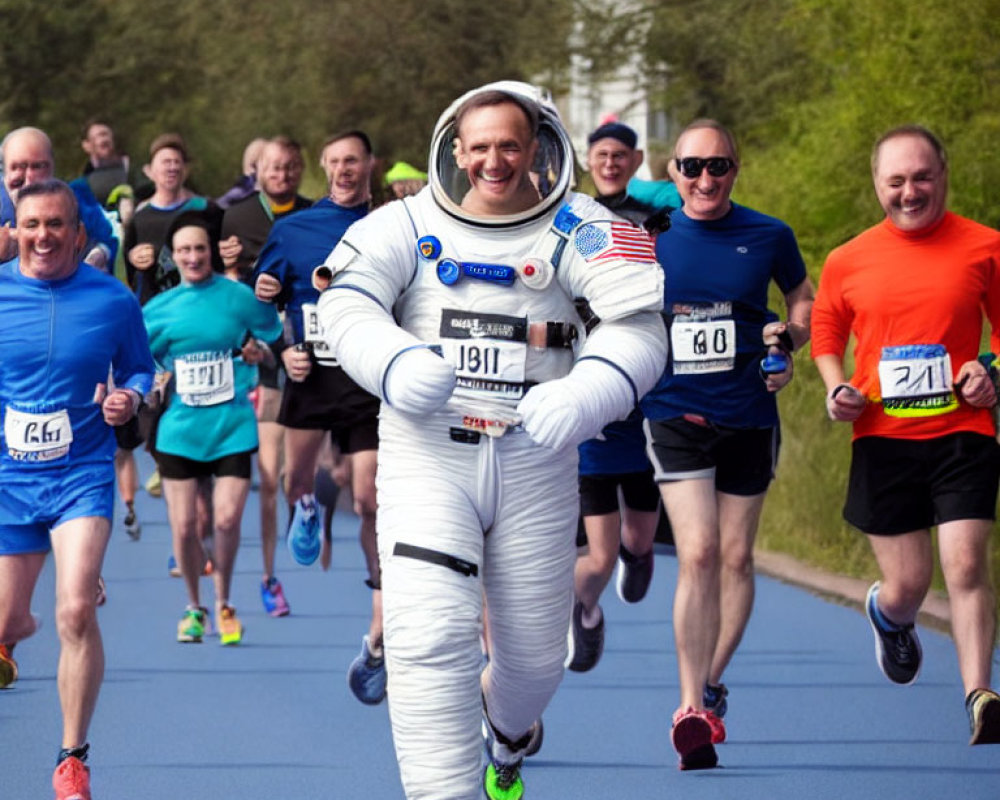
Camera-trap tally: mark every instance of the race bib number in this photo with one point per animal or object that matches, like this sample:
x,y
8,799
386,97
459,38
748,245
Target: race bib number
x,y
489,352
916,381
703,340
205,379
312,331
37,437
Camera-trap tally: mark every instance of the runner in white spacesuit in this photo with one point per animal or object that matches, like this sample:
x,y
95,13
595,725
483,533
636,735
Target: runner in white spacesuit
x,y
456,307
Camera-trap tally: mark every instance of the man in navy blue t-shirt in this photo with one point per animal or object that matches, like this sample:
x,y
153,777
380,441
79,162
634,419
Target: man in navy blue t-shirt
x,y
712,420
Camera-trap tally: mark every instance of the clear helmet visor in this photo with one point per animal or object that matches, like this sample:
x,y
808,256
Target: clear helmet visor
x,y
551,171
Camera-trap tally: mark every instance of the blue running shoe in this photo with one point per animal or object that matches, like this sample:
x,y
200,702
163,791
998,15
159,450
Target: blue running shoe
x,y
303,533
273,597
897,647
366,676
714,699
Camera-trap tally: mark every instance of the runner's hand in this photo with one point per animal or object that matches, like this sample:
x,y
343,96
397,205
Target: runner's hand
x,y
844,403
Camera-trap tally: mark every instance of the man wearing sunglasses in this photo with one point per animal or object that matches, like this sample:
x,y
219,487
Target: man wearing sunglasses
x,y
913,291
712,420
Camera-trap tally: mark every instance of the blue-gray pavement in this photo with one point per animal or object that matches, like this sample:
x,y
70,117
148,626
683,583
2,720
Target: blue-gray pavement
x,y
810,714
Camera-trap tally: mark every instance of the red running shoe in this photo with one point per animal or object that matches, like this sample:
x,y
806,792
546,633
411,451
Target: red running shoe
x,y
718,727
71,780
692,739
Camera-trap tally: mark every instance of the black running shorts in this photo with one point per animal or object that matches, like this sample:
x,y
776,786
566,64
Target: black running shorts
x,y
902,485
178,468
327,400
741,460
599,493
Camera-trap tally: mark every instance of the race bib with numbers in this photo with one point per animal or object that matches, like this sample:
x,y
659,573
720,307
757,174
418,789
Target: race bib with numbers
x,y
489,352
312,330
916,381
205,379
37,437
703,339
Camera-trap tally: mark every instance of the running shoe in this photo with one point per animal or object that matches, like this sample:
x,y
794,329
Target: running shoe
x,y
8,666
983,706
230,627
503,781
634,575
304,531
102,592
717,725
132,526
191,628
71,780
502,776
714,699
154,486
273,597
897,648
586,645
366,676
691,736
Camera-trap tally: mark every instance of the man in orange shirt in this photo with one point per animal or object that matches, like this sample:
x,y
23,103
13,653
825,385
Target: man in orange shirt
x,y
913,290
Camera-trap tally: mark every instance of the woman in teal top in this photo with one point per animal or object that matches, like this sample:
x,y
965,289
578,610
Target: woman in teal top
x,y
204,332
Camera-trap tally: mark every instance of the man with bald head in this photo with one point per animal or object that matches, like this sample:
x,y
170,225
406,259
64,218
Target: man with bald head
x,y
27,158
913,291
712,420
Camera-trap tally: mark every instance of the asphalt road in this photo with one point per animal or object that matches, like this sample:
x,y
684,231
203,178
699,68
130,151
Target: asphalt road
x,y
810,715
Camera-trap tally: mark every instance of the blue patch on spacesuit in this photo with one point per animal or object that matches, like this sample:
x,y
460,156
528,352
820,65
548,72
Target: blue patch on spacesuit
x,y
566,220
449,271
428,247
591,240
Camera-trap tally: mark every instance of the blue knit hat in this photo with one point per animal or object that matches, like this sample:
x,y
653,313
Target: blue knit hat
x,y
615,130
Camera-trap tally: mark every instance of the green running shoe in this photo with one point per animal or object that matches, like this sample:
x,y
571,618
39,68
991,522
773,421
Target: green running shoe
x,y
191,628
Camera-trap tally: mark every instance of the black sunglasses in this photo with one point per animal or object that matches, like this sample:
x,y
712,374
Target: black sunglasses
x,y
692,167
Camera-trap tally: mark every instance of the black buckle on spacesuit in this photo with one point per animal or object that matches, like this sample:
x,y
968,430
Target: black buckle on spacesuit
x,y
459,565
464,436
560,334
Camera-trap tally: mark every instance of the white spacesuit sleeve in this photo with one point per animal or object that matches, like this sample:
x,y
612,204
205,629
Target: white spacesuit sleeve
x,y
610,263
371,267
620,361
624,356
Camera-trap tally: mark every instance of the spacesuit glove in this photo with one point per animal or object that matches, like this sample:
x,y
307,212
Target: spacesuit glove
x,y
572,409
418,381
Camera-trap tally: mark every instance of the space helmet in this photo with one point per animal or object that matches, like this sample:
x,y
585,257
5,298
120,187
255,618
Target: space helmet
x,y
552,169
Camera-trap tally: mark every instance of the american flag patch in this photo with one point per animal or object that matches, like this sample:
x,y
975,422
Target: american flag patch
x,y
600,241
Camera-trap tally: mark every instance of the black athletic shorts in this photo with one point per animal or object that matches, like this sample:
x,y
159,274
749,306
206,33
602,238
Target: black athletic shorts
x,y
357,438
327,400
599,493
902,485
178,468
741,460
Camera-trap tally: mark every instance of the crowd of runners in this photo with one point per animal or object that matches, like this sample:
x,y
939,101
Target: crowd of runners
x,y
514,381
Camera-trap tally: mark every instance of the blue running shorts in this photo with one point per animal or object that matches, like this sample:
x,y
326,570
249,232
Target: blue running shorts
x,y
34,502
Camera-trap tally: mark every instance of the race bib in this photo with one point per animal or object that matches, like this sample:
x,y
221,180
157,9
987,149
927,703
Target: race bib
x,y
703,339
916,381
205,379
312,331
489,352
37,437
